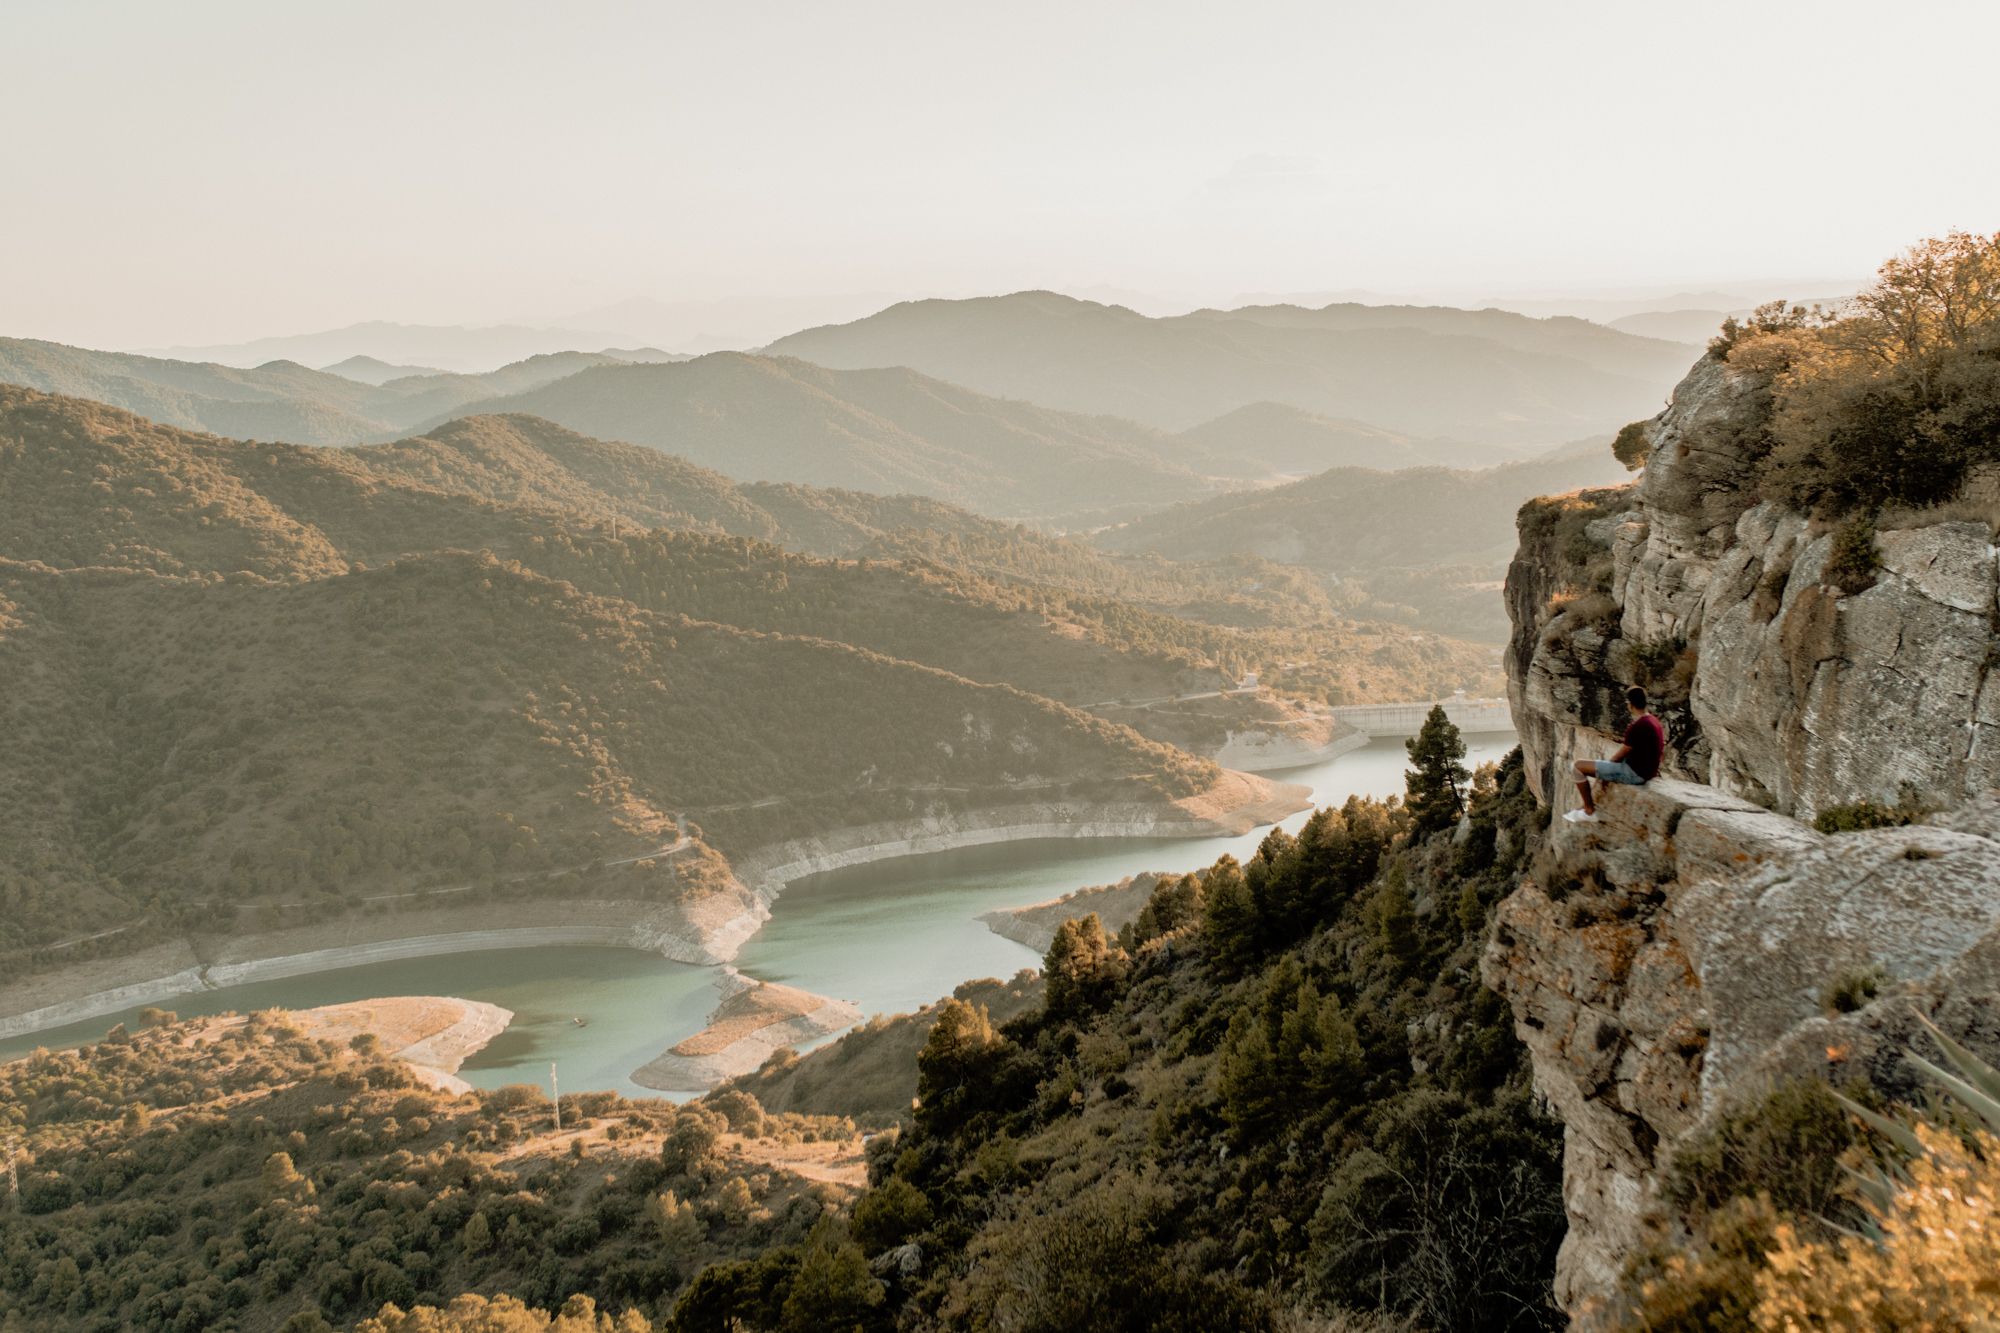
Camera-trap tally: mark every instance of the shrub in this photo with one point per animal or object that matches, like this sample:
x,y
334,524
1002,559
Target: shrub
x,y
1787,1147
1853,562
1632,446
1852,989
890,1214
1895,401
1860,816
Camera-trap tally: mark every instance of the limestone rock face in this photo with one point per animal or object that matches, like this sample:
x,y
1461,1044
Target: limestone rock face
x,y
1675,955
1800,696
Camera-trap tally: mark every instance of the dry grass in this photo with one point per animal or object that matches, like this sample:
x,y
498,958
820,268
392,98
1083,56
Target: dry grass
x,y
1978,501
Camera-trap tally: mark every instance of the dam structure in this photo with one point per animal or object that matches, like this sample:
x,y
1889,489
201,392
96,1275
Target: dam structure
x,y
1407,719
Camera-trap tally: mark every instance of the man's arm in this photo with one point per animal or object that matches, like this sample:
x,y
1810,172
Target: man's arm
x,y
1624,753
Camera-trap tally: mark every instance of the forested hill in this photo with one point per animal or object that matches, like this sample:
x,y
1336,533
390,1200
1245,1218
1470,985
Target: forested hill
x,y
286,678
1485,376
89,486
1349,519
241,1174
449,718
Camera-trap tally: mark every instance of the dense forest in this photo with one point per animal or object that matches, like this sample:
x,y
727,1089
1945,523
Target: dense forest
x,y
237,1174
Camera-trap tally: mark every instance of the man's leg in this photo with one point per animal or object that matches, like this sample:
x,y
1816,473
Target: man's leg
x,y
1585,770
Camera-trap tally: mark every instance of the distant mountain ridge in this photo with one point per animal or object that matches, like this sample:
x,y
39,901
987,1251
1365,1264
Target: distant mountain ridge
x,y
1266,439
449,347
761,418
373,370
1486,376
278,399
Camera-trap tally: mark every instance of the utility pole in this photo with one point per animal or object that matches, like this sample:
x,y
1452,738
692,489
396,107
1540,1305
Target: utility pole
x,y
555,1096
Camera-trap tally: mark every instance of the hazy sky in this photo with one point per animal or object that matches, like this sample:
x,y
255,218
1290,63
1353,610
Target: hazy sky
x,y
197,171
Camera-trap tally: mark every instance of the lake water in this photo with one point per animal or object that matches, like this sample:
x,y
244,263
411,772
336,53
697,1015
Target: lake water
x,y
890,936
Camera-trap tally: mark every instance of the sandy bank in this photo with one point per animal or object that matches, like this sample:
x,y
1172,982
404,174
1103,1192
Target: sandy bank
x,y
433,1034
754,1019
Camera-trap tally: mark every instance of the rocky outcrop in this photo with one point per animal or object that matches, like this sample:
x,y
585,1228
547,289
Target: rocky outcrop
x,y
1675,957
1780,685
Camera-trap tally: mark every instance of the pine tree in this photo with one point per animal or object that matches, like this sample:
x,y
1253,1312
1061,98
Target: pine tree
x,y
1436,777
1081,966
833,1289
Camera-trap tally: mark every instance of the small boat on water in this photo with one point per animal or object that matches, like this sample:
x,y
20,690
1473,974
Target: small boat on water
x,y
580,1022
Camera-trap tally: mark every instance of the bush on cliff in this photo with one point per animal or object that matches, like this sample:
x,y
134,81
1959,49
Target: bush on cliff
x,y
1896,398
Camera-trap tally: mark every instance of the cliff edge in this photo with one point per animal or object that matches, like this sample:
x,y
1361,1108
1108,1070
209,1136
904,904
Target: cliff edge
x,y
1781,676
1674,959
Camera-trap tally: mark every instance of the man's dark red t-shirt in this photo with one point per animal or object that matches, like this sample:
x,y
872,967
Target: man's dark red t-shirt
x,y
1648,741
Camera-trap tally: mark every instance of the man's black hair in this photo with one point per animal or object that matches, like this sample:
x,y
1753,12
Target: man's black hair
x,y
1636,697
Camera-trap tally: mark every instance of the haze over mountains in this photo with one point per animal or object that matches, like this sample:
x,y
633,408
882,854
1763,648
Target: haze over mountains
x,y
779,419
278,400
1484,376
1036,407
449,347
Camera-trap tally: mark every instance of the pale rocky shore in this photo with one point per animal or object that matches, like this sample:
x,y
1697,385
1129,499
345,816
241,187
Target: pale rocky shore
x,y
754,1019
432,1034
1312,741
196,963
1237,803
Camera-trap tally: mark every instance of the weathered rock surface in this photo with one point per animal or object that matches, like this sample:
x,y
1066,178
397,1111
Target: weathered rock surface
x,y
1675,955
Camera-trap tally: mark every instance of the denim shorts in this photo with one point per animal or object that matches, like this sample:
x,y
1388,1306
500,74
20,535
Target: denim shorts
x,y
1612,770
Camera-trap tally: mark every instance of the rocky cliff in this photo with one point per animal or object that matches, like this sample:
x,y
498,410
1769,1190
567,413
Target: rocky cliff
x,y
1784,679
1675,958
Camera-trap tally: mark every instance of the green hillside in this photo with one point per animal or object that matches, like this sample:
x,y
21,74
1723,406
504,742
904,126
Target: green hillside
x,y
241,1173
285,677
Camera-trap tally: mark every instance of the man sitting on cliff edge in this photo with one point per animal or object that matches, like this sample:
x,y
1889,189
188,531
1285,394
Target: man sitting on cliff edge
x,y
1636,763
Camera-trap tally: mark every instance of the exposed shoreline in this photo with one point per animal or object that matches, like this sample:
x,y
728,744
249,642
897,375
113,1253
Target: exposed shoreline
x,y
1267,751
191,965
753,1019
194,964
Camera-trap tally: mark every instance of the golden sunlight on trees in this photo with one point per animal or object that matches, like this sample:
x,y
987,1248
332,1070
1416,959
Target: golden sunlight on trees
x,y
1893,400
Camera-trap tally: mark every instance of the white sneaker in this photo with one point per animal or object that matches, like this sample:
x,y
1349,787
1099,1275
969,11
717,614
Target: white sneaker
x,y
1580,817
